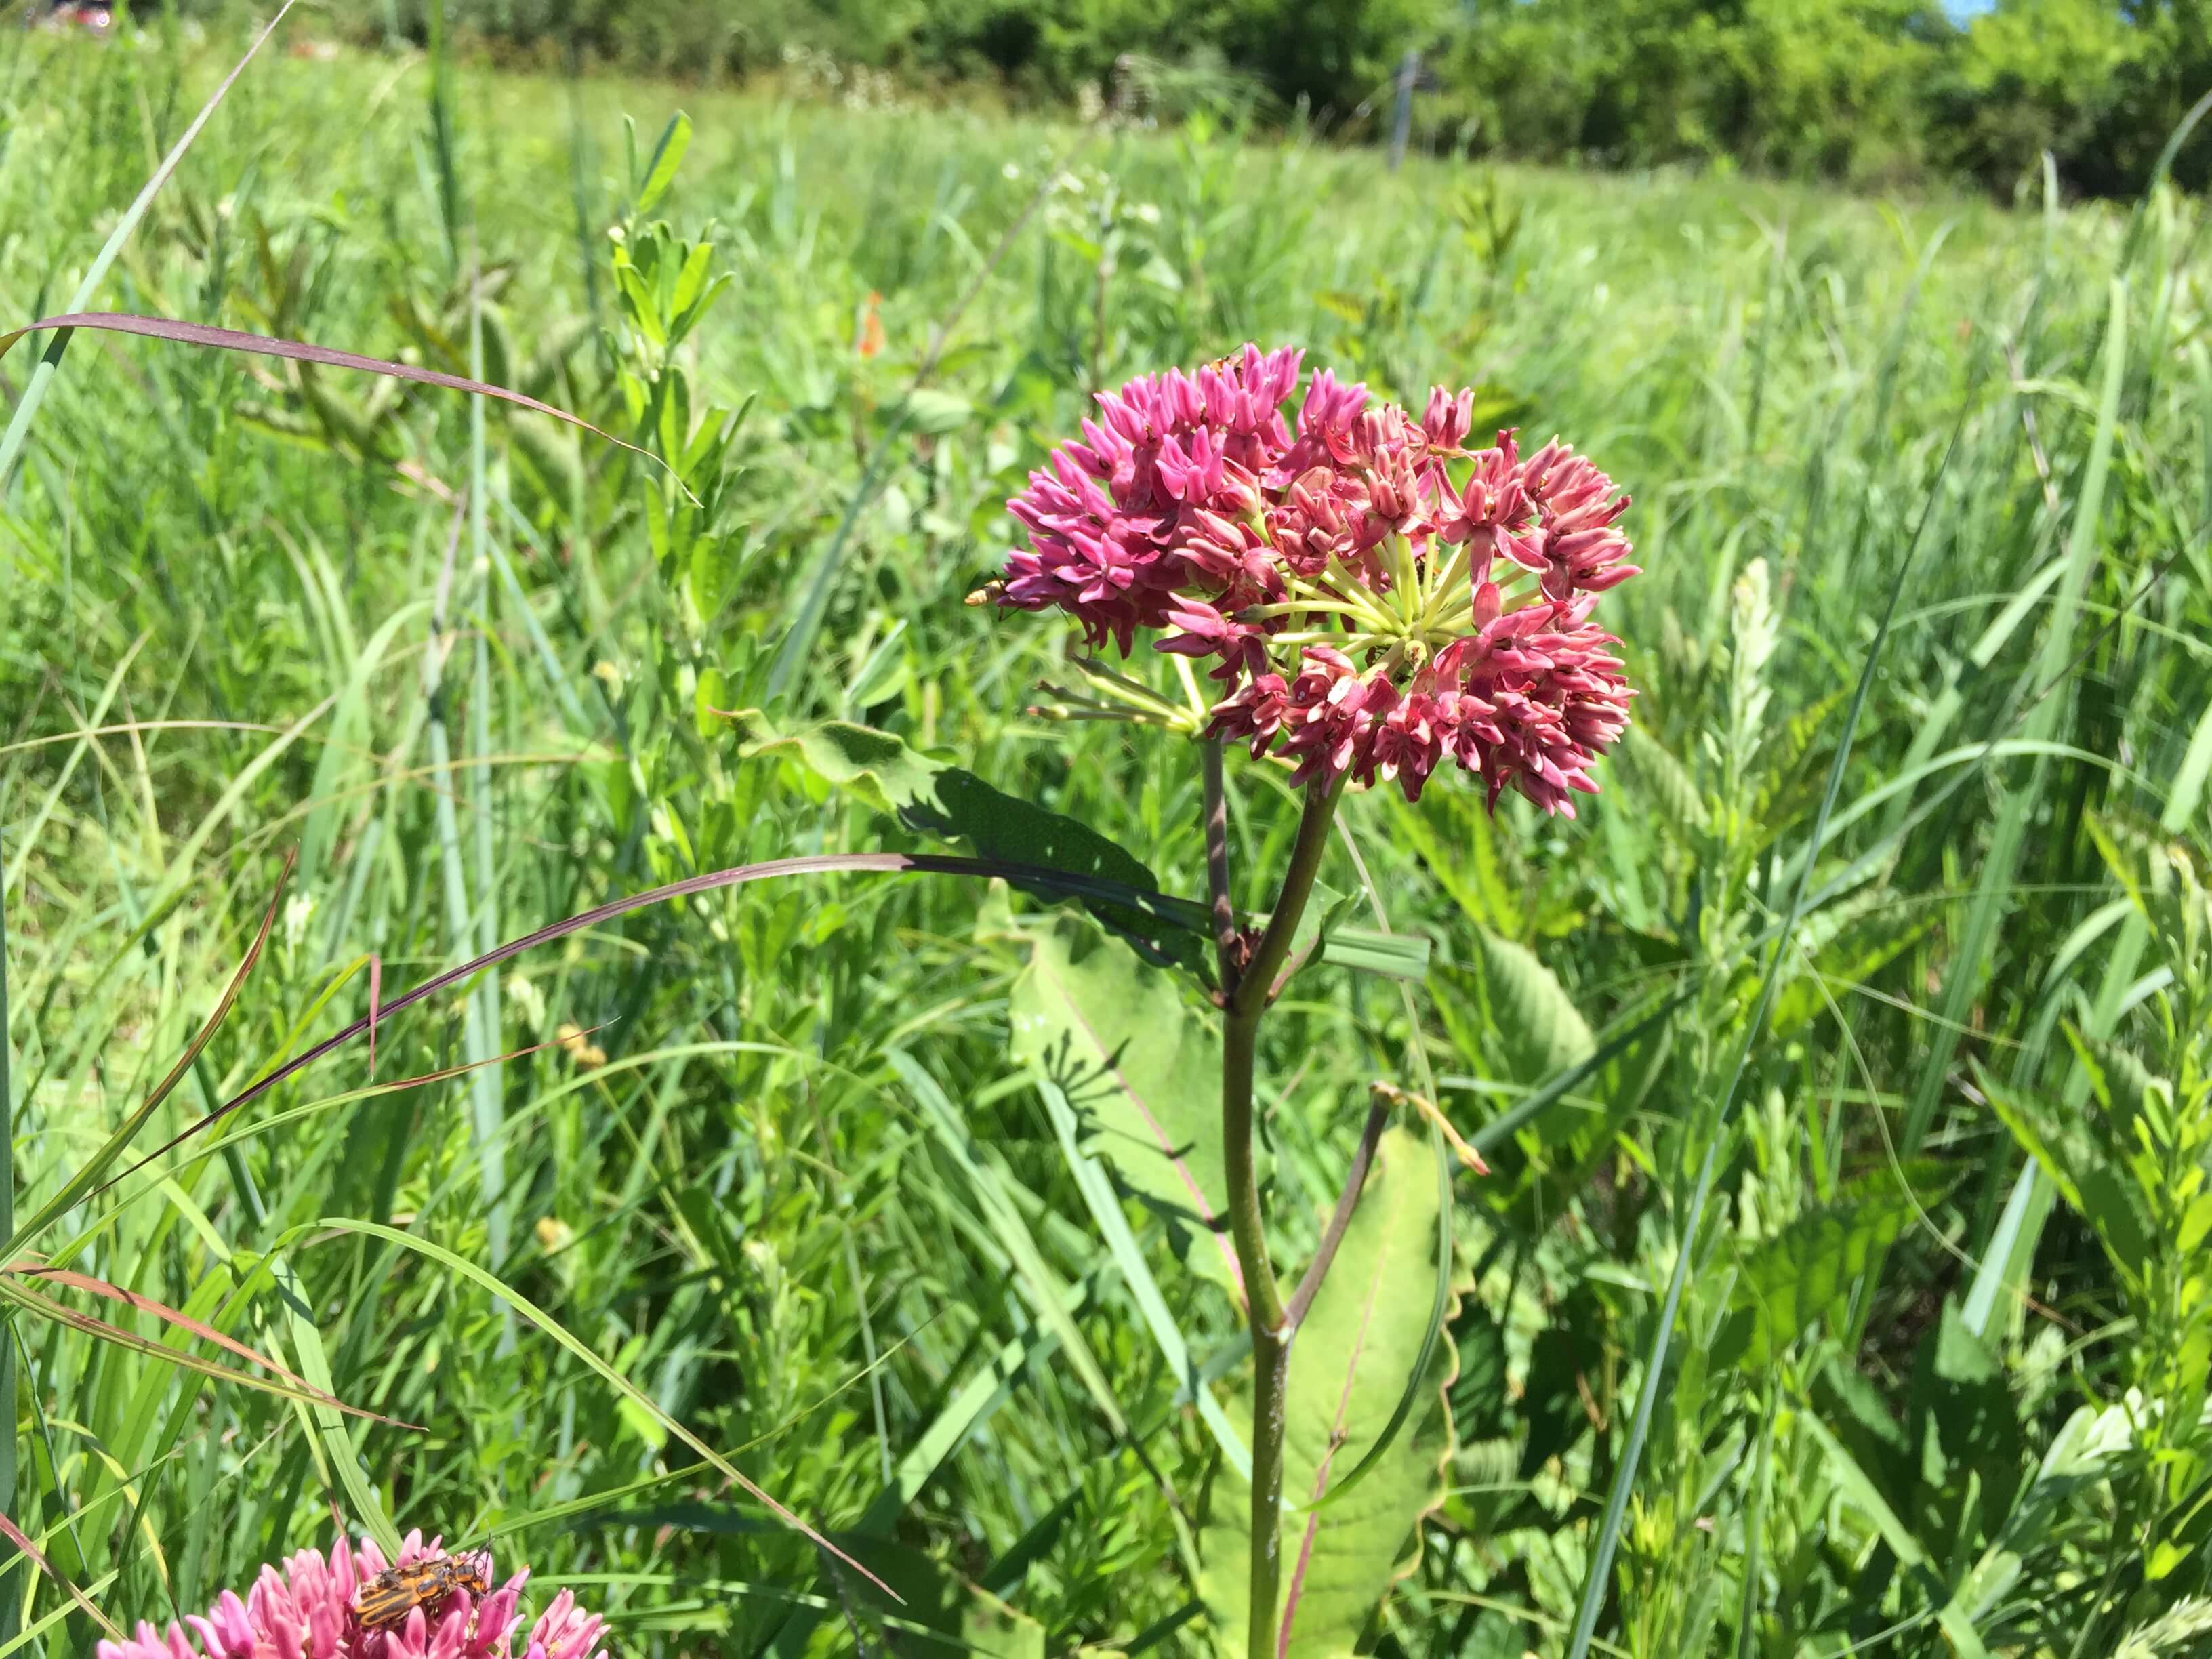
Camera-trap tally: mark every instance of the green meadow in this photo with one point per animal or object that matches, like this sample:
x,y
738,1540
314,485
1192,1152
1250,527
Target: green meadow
x,y
1875,980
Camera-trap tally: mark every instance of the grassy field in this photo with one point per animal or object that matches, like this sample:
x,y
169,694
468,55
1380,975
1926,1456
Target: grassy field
x,y
1937,1379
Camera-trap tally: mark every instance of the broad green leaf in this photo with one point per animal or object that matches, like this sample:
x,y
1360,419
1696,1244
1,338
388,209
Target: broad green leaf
x,y
1413,1399
948,803
1523,1022
2078,1162
1809,1267
931,412
990,1627
1360,1341
1961,1423
667,156
1140,1069
1863,1495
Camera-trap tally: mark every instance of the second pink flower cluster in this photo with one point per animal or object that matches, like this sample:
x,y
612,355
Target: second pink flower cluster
x,y
1370,613
305,1609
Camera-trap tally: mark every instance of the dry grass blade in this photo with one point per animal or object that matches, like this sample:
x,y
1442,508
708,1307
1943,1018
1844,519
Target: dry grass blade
x,y
15,1536
231,339
79,1184
691,886
45,1307
161,1310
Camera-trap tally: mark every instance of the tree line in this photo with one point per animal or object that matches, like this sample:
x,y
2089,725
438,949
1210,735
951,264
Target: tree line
x,y
1872,91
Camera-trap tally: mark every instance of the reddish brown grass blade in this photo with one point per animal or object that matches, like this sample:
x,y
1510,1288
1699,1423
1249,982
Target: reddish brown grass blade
x,y
15,1536
46,1308
91,1286
75,1188
259,345
421,1079
375,995
821,864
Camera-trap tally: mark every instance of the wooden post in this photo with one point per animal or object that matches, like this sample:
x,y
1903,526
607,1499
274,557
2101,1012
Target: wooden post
x,y
1401,120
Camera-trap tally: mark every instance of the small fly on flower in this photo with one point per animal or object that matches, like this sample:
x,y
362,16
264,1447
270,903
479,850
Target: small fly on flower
x,y
382,1601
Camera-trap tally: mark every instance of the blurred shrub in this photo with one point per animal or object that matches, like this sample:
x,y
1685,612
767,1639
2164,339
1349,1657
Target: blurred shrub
x,y
1822,86
1870,90
2097,84
1328,54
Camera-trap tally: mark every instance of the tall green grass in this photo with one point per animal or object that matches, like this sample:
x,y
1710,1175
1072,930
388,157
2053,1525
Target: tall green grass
x,y
1935,1365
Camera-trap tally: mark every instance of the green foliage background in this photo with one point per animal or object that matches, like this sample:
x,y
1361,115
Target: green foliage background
x,y
1938,1374
1872,90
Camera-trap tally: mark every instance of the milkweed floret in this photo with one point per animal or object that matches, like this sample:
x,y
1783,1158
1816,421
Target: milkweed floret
x,y
1375,597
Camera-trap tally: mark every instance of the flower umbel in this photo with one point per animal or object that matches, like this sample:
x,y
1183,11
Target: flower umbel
x,y
1374,596
307,1607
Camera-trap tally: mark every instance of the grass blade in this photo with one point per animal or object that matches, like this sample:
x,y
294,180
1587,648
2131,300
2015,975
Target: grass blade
x,y
461,916
231,339
1994,886
132,1300
1624,1479
689,887
10,1583
1047,1289
47,1620
15,1536
1105,1206
78,1185
46,1308
544,1321
27,408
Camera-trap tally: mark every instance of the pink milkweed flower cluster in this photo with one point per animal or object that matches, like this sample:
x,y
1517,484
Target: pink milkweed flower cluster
x,y
303,1608
1376,596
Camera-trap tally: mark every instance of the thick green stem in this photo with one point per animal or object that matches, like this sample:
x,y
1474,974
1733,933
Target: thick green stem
x,y
1253,988
1271,1335
1217,866
1272,1332
11,1580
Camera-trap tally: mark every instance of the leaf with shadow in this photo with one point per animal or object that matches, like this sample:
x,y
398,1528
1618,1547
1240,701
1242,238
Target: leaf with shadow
x,y
1960,1420
1565,1362
1950,1472
1344,1545
1137,1064
1809,1267
2077,1153
951,804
